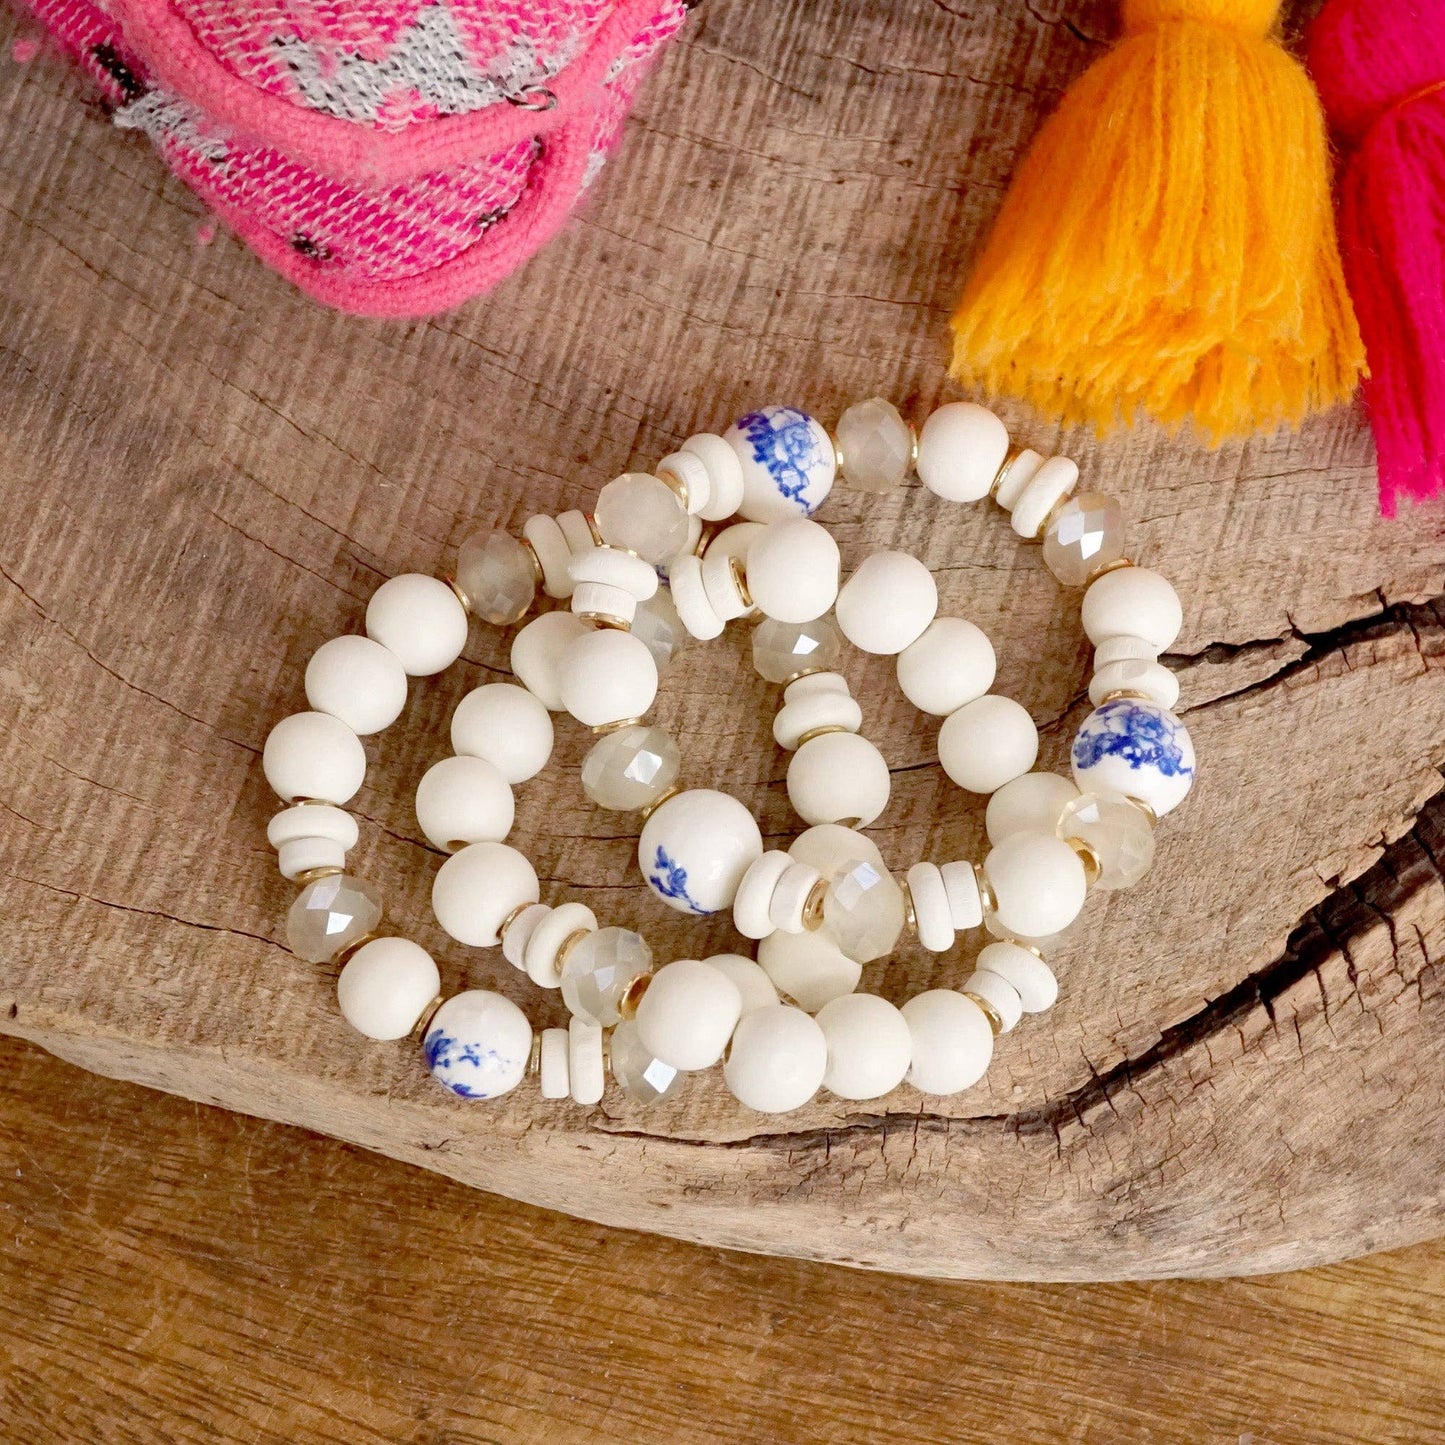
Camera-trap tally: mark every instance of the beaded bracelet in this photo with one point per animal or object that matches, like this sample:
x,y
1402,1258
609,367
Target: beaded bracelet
x,y
639,574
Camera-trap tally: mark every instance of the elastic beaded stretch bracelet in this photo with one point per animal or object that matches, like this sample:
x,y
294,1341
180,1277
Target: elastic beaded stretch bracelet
x,y
639,576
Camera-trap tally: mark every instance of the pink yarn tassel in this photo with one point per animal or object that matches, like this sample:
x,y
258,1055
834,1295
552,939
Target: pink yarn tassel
x,y
1380,69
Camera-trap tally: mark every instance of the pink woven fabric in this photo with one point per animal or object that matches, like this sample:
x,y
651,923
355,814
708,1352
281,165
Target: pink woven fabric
x,y
390,159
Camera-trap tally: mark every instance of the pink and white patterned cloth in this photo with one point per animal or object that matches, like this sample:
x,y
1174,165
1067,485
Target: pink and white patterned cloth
x,y
390,157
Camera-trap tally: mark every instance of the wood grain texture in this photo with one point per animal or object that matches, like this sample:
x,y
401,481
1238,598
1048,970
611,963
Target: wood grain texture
x,y
210,476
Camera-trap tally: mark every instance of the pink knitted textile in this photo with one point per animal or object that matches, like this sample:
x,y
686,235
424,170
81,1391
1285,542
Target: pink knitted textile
x,y
390,157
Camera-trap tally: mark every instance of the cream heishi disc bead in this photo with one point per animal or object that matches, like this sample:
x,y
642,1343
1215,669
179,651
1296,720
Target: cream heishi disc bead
x,y
477,890
386,986
1038,883
421,620
537,654
606,677
1138,749
887,603
987,743
464,800
508,726
792,570
695,849
1034,800
357,680
478,1044
951,1040
788,463
724,475
950,664
1132,602
314,755
1033,980
960,450
838,778
777,1060
688,1014
869,1046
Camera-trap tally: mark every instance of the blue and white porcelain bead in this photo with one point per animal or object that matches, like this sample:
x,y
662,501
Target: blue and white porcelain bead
x,y
1138,749
478,1044
695,849
788,463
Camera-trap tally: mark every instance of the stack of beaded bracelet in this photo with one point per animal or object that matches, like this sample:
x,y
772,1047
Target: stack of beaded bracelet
x,y
790,1022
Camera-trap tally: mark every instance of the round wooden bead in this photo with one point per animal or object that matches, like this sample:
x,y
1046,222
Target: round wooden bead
x,y
1135,748
464,800
606,677
508,726
838,777
987,743
931,914
547,937
478,1044
695,848
1038,883
792,570
311,835
754,986
476,889
1132,602
809,968
1153,679
1032,979
1032,801
950,1039
998,993
358,681
689,596
537,655
313,755
549,544
869,1046
887,603
688,1014
553,1076
386,987
419,619
724,472
819,700
960,450
950,664
788,463
777,1059
585,1069
1046,489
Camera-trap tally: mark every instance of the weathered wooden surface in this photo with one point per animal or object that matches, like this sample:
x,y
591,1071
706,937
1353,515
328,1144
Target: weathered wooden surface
x,y
208,476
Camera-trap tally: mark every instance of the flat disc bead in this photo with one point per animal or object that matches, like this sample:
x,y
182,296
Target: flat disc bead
x,y
887,603
951,1041
313,755
1038,883
420,620
688,1014
788,463
537,654
777,1060
1137,749
987,743
641,513
508,726
358,681
311,835
476,889
951,663
607,676
478,1045
1034,801
1046,489
386,987
695,848
498,576
724,473
464,800
869,1046
1153,679
960,449
837,777
792,570
1033,980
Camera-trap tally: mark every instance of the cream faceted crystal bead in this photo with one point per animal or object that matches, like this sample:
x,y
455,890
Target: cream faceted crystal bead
x,y
476,890
311,835
812,703
792,570
586,1071
517,933
777,1059
753,984
464,800
643,514
869,1046
987,743
478,1044
553,1075
960,450
386,986
1086,533
784,651
1136,749
420,620
606,677
1032,802
1153,679
838,777
998,993
548,542
537,655
631,768
1032,979
656,622
932,916
330,915
722,585
888,603
545,941
689,596
598,971
497,575
1014,477
687,472
724,472
640,1074
688,1014
508,726
876,446
809,968
313,755
863,909
1117,832
965,902
358,681
1038,883
950,664
695,848
1046,490
788,463
951,1041
1132,602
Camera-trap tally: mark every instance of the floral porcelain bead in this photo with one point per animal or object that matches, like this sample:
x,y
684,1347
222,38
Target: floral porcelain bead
x,y
695,848
754,986
888,603
420,620
688,1014
1032,979
314,755
987,743
950,1040
1132,602
792,570
311,835
476,890
508,726
498,576
386,986
777,1059
1137,749
788,463
960,450
606,677
464,800
1033,801
869,1046
478,1044
950,664
358,681
1038,883
838,777
809,968
537,652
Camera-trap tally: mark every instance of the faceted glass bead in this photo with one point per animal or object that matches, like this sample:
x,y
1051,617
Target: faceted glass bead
x,y
599,969
496,572
1118,832
641,1075
331,914
782,650
658,625
631,768
1087,533
877,446
863,909
643,514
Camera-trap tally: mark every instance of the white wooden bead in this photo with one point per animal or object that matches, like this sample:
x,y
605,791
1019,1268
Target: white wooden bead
x,y
838,777
1033,801
998,993
754,986
576,529
751,906
725,475
508,726
615,568
960,450
987,743
688,1014
421,620
887,603
950,1039
548,936
777,1060
602,602
949,665
690,472
788,463
313,755
689,596
792,570
931,914
808,967
1124,649
965,902
554,1076
869,1046
311,835
1132,602
1046,489
476,889
586,1073
720,584
358,681
537,654
464,800
1038,883
819,700
1032,979
547,540
1137,749
695,848
478,1044
1153,679
519,933
694,537
386,986
1014,482
607,676
790,896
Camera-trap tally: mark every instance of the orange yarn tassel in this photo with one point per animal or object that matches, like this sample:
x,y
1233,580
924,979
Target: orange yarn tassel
x,y
1168,246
